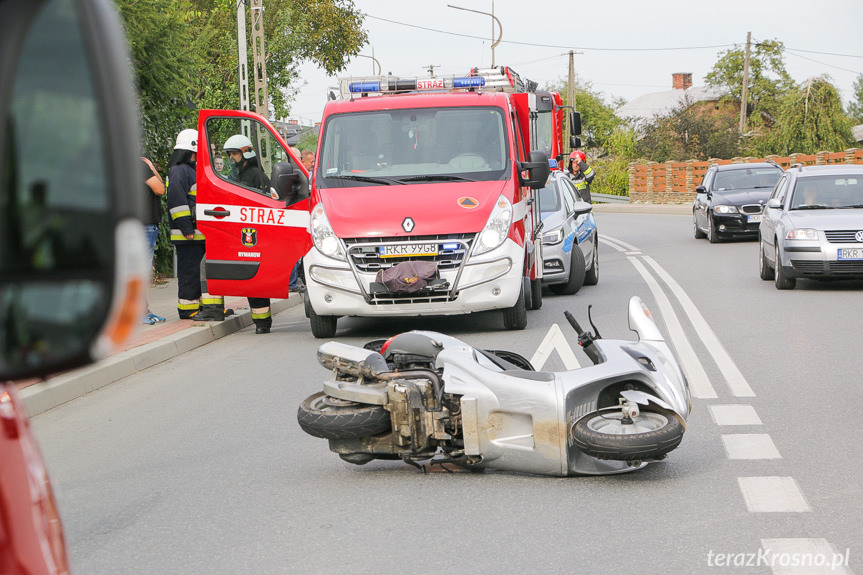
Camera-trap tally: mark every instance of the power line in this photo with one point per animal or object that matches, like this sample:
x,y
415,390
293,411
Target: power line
x,y
792,52
536,45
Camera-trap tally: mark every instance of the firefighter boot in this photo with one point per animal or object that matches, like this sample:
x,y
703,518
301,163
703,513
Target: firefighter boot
x,y
211,312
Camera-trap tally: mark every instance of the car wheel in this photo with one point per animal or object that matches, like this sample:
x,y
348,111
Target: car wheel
x,y
711,231
782,281
591,277
765,271
696,230
576,274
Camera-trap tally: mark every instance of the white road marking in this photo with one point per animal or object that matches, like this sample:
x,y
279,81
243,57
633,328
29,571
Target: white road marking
x,y
554,340
804,557
750,446
772,495
617,244
736,382
734,415
699,383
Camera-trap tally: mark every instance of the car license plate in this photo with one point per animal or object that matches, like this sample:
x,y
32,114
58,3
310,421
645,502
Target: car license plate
x,y
407,250
851,254
755,218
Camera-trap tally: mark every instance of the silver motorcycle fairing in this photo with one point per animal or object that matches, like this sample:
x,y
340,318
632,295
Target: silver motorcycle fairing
x,y
522,424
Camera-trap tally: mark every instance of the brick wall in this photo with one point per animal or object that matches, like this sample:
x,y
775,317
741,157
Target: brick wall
x,y
675,182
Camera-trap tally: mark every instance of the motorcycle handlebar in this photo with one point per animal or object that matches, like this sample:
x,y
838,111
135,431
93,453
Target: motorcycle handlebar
x,y
573,322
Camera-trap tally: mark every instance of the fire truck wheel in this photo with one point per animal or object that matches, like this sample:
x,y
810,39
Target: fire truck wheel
x,y
536,294
516,316
323,326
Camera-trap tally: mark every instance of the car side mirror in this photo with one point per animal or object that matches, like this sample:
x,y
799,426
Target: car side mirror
x,y
701,190
535,172
581,207
73,257
774,203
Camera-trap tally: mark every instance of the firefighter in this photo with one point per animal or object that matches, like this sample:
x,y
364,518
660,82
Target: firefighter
x,y
246,170
581,174
192,300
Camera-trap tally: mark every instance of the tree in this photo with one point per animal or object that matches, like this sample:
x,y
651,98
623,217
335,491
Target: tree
x,y
855,108
768,79
810,120
598,119
697,130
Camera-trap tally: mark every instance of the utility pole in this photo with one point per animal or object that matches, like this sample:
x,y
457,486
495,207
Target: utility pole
x,y
745,92
262,101
570,87
243,56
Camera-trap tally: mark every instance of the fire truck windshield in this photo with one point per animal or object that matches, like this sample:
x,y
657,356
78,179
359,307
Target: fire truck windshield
x,y
413,145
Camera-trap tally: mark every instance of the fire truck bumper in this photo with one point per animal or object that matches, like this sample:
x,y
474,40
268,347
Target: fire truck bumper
x,y
490,281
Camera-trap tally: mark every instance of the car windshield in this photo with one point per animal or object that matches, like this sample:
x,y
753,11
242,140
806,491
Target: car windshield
x,y
549,199
413,145
828,192
750,178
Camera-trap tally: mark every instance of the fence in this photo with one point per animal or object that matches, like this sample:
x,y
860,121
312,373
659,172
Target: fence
x,y
675,182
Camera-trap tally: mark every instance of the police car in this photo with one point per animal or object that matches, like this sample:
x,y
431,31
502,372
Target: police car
x,y
569,237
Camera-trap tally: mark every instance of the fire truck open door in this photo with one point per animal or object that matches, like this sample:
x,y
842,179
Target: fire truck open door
x,y
253,209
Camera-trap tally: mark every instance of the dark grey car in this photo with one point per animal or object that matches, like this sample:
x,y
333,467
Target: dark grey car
x,y
730,200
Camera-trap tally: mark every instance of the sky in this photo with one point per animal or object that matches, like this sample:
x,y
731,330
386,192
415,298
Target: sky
x,y
624,48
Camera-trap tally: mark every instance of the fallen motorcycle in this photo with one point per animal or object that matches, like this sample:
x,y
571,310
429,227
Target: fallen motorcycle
x,y
425,396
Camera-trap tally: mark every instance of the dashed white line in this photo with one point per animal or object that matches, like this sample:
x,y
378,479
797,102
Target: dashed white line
x,y
734,415
772,495
804,557
750,446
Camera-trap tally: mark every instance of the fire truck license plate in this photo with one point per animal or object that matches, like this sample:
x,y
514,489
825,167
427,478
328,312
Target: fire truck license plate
x,y
402,250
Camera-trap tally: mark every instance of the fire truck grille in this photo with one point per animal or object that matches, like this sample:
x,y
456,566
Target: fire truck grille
x,y
369,255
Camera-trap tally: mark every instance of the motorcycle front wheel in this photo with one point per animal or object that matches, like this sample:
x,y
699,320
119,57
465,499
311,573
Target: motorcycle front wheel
x,y
322,415
606,434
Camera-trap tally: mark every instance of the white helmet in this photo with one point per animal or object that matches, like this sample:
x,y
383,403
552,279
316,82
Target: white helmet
x,y
187,140
240,143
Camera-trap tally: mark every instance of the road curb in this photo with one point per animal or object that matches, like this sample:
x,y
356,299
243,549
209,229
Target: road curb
x,y
52,392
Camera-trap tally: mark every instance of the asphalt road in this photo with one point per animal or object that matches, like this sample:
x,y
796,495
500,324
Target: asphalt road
x,y
197,465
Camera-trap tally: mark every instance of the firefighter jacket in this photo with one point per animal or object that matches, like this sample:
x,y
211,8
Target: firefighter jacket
x,y
182,191
582,178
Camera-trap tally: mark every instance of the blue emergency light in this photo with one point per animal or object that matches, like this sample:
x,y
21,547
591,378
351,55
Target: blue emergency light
x,y
359,87
469,82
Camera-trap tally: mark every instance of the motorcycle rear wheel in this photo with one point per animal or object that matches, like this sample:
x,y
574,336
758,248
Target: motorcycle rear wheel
x,y
604,434
321,415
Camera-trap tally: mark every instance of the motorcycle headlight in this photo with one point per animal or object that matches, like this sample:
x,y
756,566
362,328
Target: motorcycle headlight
x,y
552,237
496,228
802,234
722,209
323,235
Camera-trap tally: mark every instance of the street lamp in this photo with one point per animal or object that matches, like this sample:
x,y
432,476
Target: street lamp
x,y
494,19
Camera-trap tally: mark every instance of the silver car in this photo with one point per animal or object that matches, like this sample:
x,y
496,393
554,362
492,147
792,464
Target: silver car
x,y
813,226
569,237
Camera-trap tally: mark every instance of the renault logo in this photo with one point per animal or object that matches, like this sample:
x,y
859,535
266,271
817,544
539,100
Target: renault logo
x,y
408,224
859,236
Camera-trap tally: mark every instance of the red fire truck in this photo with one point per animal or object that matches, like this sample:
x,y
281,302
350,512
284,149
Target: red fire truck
x,y
437,172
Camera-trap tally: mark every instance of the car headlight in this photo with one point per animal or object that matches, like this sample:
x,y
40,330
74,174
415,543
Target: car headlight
x,y
496,228
802,234
722,209
552,237
323,235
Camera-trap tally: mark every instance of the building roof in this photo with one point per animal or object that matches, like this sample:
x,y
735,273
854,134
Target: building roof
x,y
857,132
645,107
